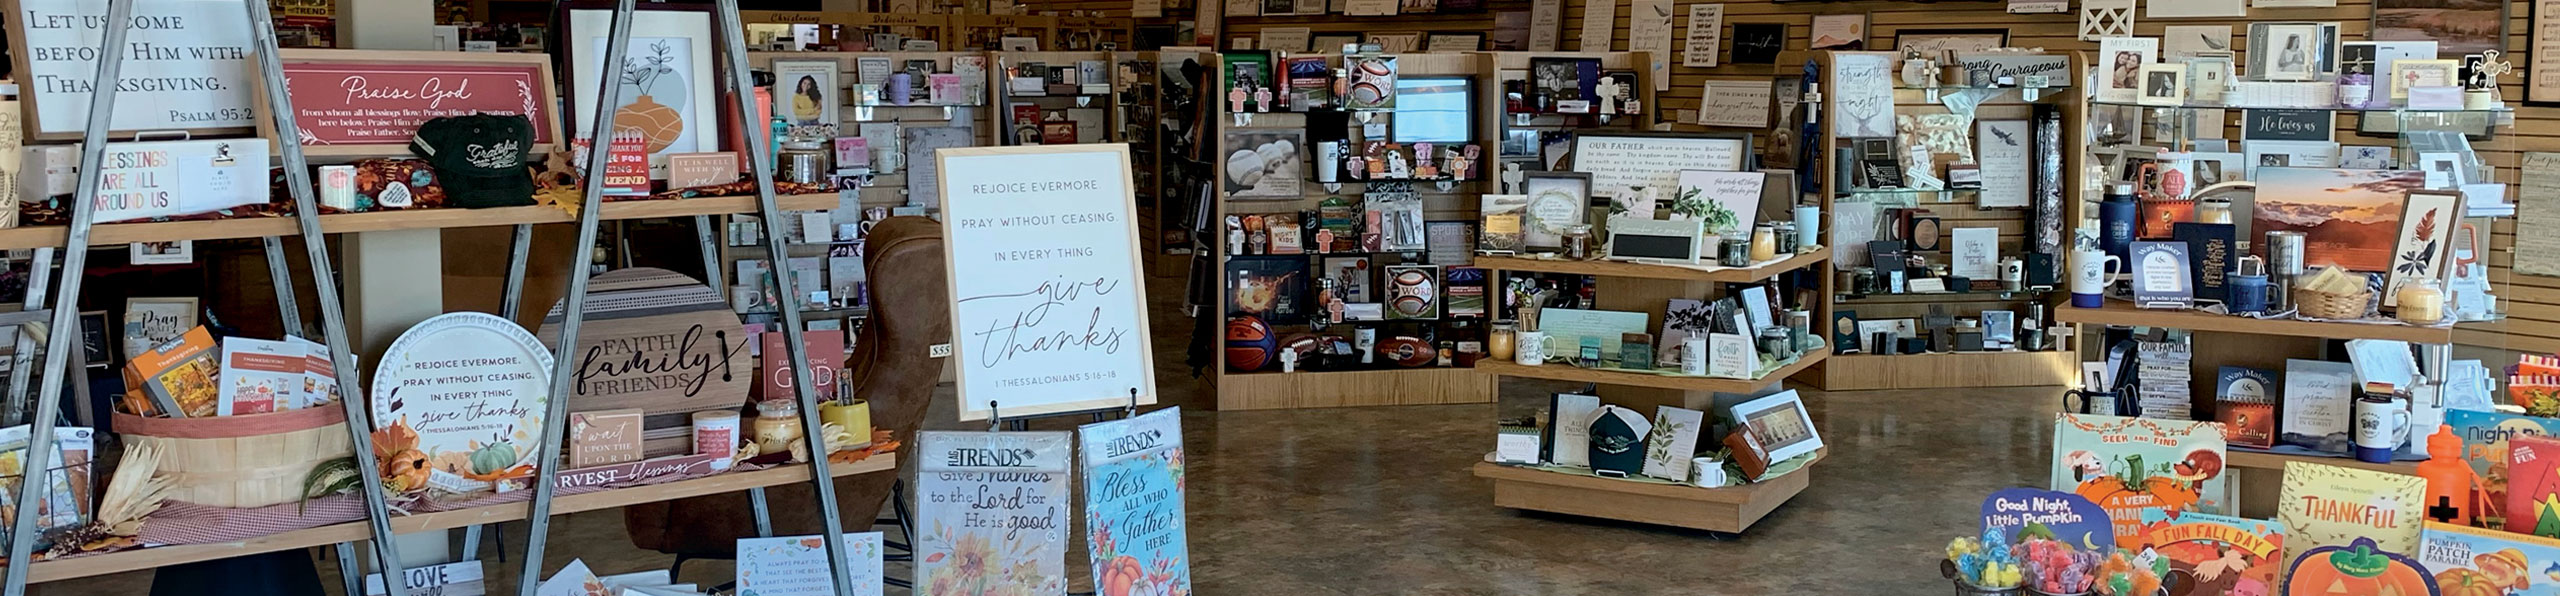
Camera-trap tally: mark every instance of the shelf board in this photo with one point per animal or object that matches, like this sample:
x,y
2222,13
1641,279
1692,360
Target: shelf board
x,y
403,219
1652,271
2118,312
1939,370
1604,376
149,558
2275,461
1728,509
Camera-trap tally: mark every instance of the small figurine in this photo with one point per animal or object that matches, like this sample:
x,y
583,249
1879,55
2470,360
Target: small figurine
x,y
1397,167
1423,166
1608,89
1462,164
1511,178
1262,99
1235,99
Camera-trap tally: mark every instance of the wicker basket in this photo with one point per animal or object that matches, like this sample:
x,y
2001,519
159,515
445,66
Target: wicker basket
x,y
251,460
2325,305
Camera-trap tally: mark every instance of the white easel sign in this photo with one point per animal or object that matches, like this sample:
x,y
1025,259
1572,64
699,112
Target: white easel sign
x,y
1048,303
186,65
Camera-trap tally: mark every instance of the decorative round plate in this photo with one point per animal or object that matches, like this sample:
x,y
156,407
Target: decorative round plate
x,y
472,386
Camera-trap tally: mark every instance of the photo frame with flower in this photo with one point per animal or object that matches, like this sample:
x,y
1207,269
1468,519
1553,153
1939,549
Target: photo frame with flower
x,y
667,81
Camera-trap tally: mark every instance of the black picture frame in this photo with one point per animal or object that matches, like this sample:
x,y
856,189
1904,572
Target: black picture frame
x,y
1758,43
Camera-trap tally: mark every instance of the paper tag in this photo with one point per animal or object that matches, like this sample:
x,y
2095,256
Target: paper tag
x,y
1373,131
939,351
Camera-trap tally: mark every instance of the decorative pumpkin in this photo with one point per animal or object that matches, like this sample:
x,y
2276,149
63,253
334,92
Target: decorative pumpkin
x,y
395,438
2465,582
492,458
406,470
1120,576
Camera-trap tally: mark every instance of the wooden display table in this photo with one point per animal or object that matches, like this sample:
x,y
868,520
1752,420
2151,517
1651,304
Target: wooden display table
x,y
1728,509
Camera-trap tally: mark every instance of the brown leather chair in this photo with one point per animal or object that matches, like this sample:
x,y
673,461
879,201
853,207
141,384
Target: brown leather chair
x,y
891,367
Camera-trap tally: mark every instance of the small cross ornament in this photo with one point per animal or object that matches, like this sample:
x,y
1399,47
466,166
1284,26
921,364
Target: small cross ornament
x,y
2492,70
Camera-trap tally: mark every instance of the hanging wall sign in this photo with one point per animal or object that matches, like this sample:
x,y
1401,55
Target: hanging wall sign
x,y
1048,309
2268,124
1621,164
658,341
186,65
1649,30
1133,490
369,102
472,386
2005,149
1862,93
989,506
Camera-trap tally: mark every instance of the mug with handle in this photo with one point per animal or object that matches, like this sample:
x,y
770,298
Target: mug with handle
x,y
2092,270
1532,348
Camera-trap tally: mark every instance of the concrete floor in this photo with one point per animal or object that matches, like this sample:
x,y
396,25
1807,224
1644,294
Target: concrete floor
x,y
1379,501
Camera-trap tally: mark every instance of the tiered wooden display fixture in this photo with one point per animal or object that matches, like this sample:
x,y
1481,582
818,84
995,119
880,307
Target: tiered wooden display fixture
x,y
1958,208
1632,287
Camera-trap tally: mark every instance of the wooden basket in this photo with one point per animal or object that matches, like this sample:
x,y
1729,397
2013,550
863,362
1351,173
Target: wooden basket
x,y
2326,305
252,460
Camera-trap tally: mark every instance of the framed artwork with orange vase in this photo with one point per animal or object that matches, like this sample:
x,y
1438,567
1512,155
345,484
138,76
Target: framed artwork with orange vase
x,y
667,79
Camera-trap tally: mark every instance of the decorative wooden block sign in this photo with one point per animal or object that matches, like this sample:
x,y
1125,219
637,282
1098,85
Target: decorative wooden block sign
x,y
634,471
659,342
472,386
606,437
369,102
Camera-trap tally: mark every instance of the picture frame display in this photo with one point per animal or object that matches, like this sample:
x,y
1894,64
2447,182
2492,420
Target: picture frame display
x,y
2459,27
1557,200
2284,51
2164,84
1862,93
812,95
2375,197
668,78
2425,244
1758,43
1838,32
1934,44
1621,163
2123,59
1780,423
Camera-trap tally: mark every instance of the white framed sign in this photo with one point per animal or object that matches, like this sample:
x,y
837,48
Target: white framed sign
x,y
148,179
468,383
186,65
2006,150
1048,310
1739,104
1620,163
1706,36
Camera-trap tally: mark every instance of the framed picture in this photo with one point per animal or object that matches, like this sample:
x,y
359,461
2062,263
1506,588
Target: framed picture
x,y
2366,206
2123,58
2284,51
813,97
149,322
1557,200
2413,74
667,78
1264,163
2208,79
2542,58
1839,32
1626,166
1758,43
2366,157
2457,27
1564,85
1780,423
1935,43
2427,224
172,252
2444,170
2164,84
1453,42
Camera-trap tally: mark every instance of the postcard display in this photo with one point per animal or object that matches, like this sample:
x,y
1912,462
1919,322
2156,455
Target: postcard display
x,y
1076,100
2268,201
1346,226
1671,332
1942,184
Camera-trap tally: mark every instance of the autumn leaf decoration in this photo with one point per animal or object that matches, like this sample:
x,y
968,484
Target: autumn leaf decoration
x,y
2420,260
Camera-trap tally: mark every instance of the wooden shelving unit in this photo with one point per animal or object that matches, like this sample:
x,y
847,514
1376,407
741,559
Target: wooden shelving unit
x,y
2121,313
1609,376
148,558
1957,208
1755,273
1727,509
398,219
2260,460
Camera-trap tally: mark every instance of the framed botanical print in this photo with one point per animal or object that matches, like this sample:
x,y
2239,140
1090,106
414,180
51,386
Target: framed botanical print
x,y
666,77
2427,223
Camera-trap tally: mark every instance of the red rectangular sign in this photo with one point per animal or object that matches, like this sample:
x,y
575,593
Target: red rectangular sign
x,y
379,103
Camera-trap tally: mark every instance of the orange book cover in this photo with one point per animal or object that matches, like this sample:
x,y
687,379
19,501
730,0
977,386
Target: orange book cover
x,y
177,378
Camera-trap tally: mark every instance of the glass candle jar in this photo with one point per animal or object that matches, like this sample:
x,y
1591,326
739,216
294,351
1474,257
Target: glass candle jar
x,y
1498,344
1764,243
805,162
1577,242
2421,302
777,425
2213,211
1734,252
1787,237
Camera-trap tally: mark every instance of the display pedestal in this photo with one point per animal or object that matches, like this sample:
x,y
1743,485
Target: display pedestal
x,y
1728,509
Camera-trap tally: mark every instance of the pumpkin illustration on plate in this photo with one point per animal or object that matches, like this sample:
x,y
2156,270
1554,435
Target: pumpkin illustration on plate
x,y
2359,569
659,123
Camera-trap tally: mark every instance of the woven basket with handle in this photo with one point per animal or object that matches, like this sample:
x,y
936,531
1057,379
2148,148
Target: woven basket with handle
x,y
251,460
2325,305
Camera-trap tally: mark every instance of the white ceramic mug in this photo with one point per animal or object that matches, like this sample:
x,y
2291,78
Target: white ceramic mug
x,y
2092,270
1706,472
1531,348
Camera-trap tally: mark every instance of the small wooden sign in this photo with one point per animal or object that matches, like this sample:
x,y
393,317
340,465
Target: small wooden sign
x,y
369,102
688,170
660,342
602,438
635,471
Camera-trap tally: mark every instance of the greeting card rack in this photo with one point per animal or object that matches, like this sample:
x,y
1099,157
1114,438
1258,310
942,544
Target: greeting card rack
x,y
1359,380
380,526
2274,161
1957,122
1088,111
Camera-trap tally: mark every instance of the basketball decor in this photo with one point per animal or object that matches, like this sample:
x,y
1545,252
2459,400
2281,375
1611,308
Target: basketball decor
x,y
1250,345
660,342
469,387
